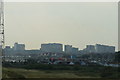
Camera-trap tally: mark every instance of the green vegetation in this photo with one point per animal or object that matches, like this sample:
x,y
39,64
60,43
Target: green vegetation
x,y
117,57
23,73
59,71
11,73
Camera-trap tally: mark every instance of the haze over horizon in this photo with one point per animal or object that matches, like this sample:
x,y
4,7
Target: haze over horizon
x,y
77,24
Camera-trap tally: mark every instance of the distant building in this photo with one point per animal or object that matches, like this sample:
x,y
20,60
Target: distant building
x,y
19,47
7,48
90,48
74,50
104,49
52,47
98,48
70,49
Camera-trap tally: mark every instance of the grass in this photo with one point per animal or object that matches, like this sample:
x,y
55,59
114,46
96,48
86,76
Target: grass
x,y
19,70
25,73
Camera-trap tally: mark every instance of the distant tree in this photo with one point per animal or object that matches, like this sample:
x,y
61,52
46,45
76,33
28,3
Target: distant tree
x,y
117,57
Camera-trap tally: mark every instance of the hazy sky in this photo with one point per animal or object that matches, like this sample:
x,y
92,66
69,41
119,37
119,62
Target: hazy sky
x,y
77,24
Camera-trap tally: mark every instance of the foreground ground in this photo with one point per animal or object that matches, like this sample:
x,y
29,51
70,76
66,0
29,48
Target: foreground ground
x,y
58,71
24,73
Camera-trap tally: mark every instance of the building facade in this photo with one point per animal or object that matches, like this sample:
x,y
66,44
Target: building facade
x,y
52,47
19,47
69,49
104,49
90,49
98,48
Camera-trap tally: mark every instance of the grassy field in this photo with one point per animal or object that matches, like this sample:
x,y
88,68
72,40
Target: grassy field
x,y
20,70
25,73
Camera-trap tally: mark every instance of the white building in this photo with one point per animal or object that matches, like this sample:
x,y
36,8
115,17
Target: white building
x,y
69,49
90,49
52,47
104,48
98,48
19,47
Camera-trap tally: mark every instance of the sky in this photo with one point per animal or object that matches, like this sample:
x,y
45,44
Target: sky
x,y
74,23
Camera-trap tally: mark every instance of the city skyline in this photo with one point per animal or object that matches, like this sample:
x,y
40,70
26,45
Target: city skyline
x,y
62,45
56,43
77,24
59,48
